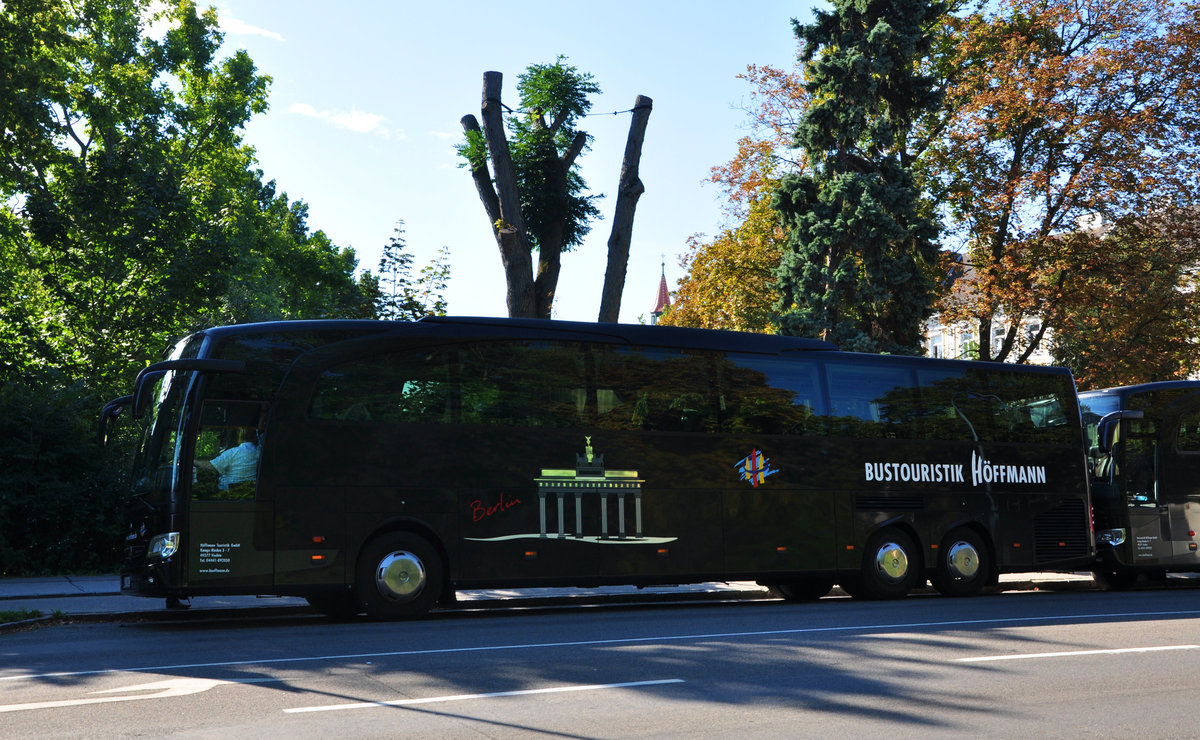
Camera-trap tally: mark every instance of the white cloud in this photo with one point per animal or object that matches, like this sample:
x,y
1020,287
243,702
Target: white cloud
x,y
443,135
236,27
353,120
154,15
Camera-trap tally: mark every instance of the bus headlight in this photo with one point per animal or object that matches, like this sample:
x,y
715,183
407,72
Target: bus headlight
x,y
163,546
1111,537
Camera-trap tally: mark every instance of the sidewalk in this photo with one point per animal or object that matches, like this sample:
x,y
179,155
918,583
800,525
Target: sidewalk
x,y
100,597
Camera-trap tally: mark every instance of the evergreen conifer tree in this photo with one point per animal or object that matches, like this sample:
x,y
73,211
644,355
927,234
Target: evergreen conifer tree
x,y
856,267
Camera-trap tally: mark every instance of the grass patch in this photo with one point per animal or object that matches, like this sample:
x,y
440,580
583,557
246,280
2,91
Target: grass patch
x,y
18,615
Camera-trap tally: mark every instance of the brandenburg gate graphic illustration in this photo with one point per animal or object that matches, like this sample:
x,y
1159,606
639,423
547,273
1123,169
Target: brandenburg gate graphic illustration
x,y
589,478
588,482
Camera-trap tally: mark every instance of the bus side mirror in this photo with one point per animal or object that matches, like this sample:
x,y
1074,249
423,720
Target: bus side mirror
x,y
109,414
1106,431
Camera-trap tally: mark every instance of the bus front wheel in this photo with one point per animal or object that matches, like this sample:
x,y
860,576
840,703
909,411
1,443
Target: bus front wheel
x,y
963,564
399,576
890,566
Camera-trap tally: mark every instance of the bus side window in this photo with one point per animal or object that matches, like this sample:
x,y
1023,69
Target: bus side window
x,y
769,395
530,384
955,404
407,387
1188,438
657,390
871,401
225,462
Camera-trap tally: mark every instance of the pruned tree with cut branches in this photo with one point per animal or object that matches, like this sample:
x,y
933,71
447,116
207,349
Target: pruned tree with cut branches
x,y
534,196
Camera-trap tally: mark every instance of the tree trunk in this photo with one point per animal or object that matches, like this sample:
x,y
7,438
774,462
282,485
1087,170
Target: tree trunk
x,y
509,228
628,192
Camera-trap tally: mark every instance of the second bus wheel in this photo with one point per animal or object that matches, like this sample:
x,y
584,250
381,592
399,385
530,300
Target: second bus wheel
x,y
891,564
964,564
399,576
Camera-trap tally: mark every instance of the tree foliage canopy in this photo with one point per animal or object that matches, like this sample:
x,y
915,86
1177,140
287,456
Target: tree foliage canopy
x,y
131,213
1063,161
861,242
1061,114
135,212
543,145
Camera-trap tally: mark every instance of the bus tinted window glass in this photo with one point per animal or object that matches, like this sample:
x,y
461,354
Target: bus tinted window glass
x,y
993,405
655,390
956,404
770,395
871,401
1033,408
507,383
1188,439
533,384
227,450
268,357
408,387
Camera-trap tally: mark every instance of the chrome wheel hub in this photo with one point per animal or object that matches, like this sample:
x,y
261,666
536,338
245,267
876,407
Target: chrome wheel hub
x,y
400,576
892,562
962,560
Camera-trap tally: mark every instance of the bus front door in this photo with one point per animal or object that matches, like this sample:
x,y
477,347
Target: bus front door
x,y
1179,483
229,534
1149,522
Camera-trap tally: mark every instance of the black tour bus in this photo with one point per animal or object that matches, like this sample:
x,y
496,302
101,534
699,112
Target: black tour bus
x,y
380,466
1144,443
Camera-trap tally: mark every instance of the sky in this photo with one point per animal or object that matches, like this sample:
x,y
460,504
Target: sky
x,y
367,96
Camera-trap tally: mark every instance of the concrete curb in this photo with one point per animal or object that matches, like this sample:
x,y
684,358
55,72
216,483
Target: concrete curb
x,y
503,603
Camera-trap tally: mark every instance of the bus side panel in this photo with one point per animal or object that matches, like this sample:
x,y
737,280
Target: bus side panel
x,y
310,535
779,515
222,550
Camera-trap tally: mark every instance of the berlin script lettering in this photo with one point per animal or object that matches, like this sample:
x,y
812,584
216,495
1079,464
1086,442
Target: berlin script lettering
x,y
479,511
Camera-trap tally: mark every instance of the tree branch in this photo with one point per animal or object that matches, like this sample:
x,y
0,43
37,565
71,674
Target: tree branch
x,y
479,173
628,192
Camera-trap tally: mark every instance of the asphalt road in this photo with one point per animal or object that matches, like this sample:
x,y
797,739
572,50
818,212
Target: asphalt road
x,y
1036,664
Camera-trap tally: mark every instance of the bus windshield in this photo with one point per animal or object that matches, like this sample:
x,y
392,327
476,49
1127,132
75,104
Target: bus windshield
x,y
159,452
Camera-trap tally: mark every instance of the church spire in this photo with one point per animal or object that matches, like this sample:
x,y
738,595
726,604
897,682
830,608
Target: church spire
x,y
663,299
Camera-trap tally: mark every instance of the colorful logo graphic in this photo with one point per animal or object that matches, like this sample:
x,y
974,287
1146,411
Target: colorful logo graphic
x,y
755,467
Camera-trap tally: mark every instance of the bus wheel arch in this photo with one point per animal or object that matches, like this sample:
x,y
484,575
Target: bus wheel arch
x,y
400,574
965,562
891,567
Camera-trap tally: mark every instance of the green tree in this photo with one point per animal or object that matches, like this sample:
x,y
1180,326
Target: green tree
x,y
860,239
535,167
1061,112
1129,313
121,151
403,297
283,270
131,214
535,198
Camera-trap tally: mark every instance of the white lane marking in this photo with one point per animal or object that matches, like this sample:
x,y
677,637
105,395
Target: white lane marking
x,y
601,643
464,697
1114,651
165,689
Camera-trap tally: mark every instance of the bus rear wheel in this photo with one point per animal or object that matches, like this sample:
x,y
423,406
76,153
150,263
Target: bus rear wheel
x,y
963,564
400,576
890,566
801,589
